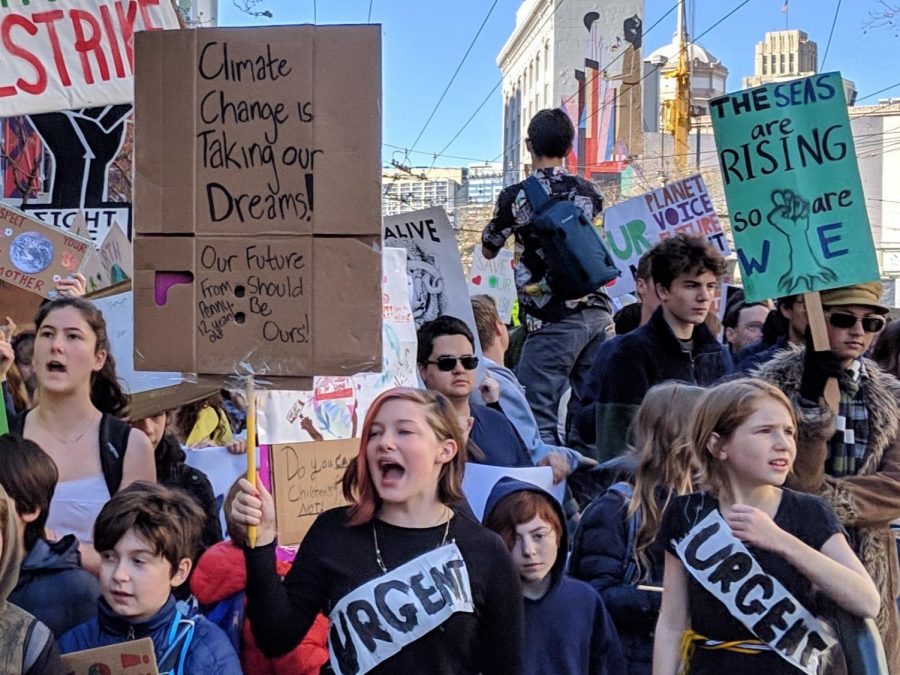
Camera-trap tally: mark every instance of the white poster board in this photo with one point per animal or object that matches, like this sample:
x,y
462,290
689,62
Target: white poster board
x,y
118,311
480,479
495,278
437,284
632,227
65,54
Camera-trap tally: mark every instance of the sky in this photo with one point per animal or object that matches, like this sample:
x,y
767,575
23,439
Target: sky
x,y
424,41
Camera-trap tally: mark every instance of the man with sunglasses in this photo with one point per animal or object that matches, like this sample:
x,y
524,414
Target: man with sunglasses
x,y
447,364
851,457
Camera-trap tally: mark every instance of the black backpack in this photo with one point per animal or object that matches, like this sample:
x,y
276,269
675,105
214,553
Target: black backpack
x,y
576,258
113,443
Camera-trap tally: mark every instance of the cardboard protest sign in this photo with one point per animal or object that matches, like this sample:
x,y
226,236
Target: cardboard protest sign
x,y
634,226
134,657
479,480
118,311
791,180
67,54
494,278
34,256
306,479
724,566
434,586
110,263
258,173
336,405
18,304
434,269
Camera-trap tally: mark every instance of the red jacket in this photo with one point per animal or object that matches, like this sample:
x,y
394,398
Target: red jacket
x,y
220,573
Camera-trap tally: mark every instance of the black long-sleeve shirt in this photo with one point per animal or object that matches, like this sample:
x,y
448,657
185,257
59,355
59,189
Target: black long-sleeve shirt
x,y
334,559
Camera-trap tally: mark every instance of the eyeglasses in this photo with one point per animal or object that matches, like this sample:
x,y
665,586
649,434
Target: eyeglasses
x,y
448,363
870,324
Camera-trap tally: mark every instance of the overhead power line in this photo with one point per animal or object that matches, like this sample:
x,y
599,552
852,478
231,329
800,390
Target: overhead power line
x,y
453,77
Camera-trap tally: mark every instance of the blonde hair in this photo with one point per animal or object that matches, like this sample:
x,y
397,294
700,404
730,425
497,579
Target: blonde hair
x,y
664,457
721,411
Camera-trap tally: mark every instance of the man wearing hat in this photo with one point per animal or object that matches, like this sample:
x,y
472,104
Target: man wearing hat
x,y
851,457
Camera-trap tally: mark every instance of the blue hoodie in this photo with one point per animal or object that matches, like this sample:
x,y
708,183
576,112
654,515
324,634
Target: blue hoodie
x,y
209,651
568,631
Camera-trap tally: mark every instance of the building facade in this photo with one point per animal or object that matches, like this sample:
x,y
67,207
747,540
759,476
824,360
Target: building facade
x,y
575,54
787,55
420,188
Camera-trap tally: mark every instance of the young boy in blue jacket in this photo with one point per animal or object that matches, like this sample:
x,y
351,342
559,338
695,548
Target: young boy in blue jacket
x,y
567,628
146,536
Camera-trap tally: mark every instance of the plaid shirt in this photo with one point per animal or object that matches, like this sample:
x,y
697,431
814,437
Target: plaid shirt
x,y
512,216
847,448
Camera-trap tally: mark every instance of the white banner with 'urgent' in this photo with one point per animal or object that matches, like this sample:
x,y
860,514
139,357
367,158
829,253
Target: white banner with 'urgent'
x,y
721,563
404,604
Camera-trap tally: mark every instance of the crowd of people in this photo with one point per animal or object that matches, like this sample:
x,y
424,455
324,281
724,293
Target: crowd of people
x,y
720,516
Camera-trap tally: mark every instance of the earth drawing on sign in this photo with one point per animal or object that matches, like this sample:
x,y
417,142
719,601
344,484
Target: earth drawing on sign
x,y
31,252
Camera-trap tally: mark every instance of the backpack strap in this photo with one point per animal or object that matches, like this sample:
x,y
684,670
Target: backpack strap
x,y
181,633
17,423
535,193
113,444
627,492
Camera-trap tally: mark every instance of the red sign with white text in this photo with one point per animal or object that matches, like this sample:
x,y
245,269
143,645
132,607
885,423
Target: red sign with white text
x,y
65,54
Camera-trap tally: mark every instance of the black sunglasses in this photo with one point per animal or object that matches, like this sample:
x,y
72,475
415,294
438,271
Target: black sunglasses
x,y
870,324
448,363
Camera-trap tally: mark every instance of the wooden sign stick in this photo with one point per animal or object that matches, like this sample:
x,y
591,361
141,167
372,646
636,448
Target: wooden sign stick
x,y
821,343
251,449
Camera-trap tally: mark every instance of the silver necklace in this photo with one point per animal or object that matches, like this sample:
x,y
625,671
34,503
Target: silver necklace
x,y
72,441
380,560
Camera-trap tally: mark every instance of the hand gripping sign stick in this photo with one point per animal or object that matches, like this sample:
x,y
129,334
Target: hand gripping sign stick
x,y
251,449
821,343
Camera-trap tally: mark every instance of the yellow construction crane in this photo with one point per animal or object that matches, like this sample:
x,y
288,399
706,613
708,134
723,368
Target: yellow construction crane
x,y
677,111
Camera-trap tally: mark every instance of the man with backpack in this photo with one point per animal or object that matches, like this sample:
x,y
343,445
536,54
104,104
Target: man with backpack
x,y
565,314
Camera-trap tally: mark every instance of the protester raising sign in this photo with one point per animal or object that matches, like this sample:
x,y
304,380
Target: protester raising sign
x,y
720,563
792,184
634,226
62,54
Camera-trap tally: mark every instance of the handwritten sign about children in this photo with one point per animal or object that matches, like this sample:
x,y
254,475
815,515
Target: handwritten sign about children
x,y
34,256
495,278
720,563
437,284
63,54
258,183
791,180
134,657
307,481
634,226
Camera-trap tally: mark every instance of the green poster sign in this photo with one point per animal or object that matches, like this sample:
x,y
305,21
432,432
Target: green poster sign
x,y
797,207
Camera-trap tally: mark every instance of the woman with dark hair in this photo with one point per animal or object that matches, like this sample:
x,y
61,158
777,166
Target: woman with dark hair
x,y
76,419
461,610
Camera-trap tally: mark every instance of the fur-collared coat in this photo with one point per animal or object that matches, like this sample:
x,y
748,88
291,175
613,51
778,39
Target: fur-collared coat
x,y
867,502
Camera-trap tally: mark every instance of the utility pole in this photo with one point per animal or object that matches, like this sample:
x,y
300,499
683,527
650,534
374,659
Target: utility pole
x,y
677,112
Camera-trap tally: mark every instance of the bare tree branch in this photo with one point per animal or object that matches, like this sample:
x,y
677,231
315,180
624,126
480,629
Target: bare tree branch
x,y
887,15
